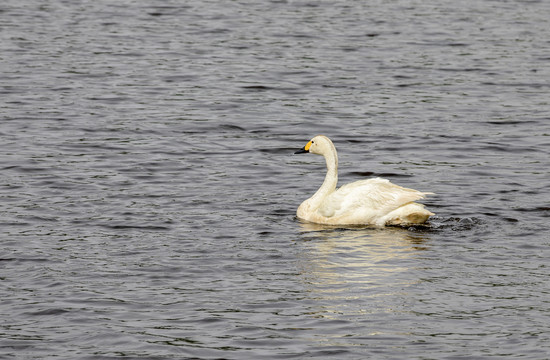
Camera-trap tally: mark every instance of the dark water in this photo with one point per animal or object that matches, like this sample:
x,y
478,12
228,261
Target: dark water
x,y
148,189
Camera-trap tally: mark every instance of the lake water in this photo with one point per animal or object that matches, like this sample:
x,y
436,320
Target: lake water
x,y
149,190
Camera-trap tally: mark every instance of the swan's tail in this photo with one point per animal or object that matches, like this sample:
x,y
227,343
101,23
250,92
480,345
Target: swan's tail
x,y
419,217
408,214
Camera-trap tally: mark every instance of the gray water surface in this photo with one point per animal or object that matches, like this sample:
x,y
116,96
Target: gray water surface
x,y
149,190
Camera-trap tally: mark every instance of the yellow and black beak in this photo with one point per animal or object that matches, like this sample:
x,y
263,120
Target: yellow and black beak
x,y
305,149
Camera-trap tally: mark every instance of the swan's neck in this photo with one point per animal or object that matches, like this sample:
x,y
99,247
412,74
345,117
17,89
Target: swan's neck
x,y
331,178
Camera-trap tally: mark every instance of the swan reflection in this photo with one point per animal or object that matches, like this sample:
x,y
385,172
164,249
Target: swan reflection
x,y
361,270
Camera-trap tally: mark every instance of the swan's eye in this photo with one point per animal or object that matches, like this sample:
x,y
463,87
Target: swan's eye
x,y
313,142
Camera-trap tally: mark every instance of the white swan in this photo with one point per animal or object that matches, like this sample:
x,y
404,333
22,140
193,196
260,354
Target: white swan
x,y
366,202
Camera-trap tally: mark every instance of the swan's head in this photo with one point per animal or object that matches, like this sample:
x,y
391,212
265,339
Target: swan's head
x,y
318,145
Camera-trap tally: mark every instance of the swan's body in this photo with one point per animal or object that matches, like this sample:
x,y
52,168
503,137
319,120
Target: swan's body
x,y
366,202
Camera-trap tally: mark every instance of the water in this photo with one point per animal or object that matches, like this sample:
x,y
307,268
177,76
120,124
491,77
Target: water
x,y
148,188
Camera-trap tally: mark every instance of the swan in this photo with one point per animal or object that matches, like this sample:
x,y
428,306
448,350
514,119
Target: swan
x,y
374,201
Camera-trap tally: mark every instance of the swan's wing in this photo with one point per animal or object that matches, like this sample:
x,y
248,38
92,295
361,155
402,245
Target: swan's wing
x,y
370,198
